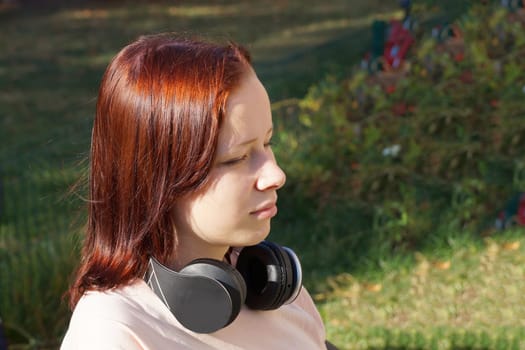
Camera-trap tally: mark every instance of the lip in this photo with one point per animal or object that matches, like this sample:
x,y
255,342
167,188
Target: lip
x,y
266,211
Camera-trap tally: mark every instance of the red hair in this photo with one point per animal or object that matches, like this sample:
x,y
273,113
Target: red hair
x,y
159,110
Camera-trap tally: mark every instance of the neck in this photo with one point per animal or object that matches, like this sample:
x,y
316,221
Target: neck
x,y
189,248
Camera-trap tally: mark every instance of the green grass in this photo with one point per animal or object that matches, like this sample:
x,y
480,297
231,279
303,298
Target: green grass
x,y
476,290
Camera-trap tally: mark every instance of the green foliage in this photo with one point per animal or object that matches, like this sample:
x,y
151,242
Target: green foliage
x,y
439,148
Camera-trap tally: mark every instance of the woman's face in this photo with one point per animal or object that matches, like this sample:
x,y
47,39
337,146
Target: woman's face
x,y
236,209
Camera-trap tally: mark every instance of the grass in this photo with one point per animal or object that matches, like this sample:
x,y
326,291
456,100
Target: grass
x,y
476,290
50,66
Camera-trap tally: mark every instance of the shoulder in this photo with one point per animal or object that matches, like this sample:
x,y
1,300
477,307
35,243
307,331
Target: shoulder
x,y
100,334
102,320
133,304
128,317
107,306
297,325
305,302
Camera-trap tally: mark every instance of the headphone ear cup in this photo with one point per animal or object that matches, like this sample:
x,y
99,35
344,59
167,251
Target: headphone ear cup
x,y
204,297
286,273
226,275
270,274
297,282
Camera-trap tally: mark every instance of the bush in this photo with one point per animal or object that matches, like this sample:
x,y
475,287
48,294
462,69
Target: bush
x,y
434,147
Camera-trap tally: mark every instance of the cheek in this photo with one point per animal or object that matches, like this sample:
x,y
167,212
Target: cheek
x,y
220,206
228,198
213,219
223,207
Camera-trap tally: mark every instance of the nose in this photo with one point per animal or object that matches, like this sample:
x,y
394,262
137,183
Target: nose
x,y
271,176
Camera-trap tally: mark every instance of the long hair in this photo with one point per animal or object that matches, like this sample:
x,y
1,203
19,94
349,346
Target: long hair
x,y
158,114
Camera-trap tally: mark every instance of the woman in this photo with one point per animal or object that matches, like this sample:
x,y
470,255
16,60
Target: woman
x,y
182,169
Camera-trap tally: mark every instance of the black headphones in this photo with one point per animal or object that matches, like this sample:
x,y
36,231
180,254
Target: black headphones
x,y
207,295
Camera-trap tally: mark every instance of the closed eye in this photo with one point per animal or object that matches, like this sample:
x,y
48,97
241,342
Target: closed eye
x,y
234,161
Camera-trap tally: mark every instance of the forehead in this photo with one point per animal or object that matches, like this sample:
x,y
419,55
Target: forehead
x,y
249,91
248,112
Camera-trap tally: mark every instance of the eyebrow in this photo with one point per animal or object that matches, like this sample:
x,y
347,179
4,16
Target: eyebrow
x,y
247,142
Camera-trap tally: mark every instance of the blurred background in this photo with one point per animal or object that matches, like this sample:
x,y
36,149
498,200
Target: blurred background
x,y
400,125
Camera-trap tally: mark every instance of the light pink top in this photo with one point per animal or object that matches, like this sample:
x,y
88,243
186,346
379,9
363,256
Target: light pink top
x,y
133,317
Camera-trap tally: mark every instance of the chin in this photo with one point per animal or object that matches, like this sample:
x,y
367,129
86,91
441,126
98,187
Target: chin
x,y
256,237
